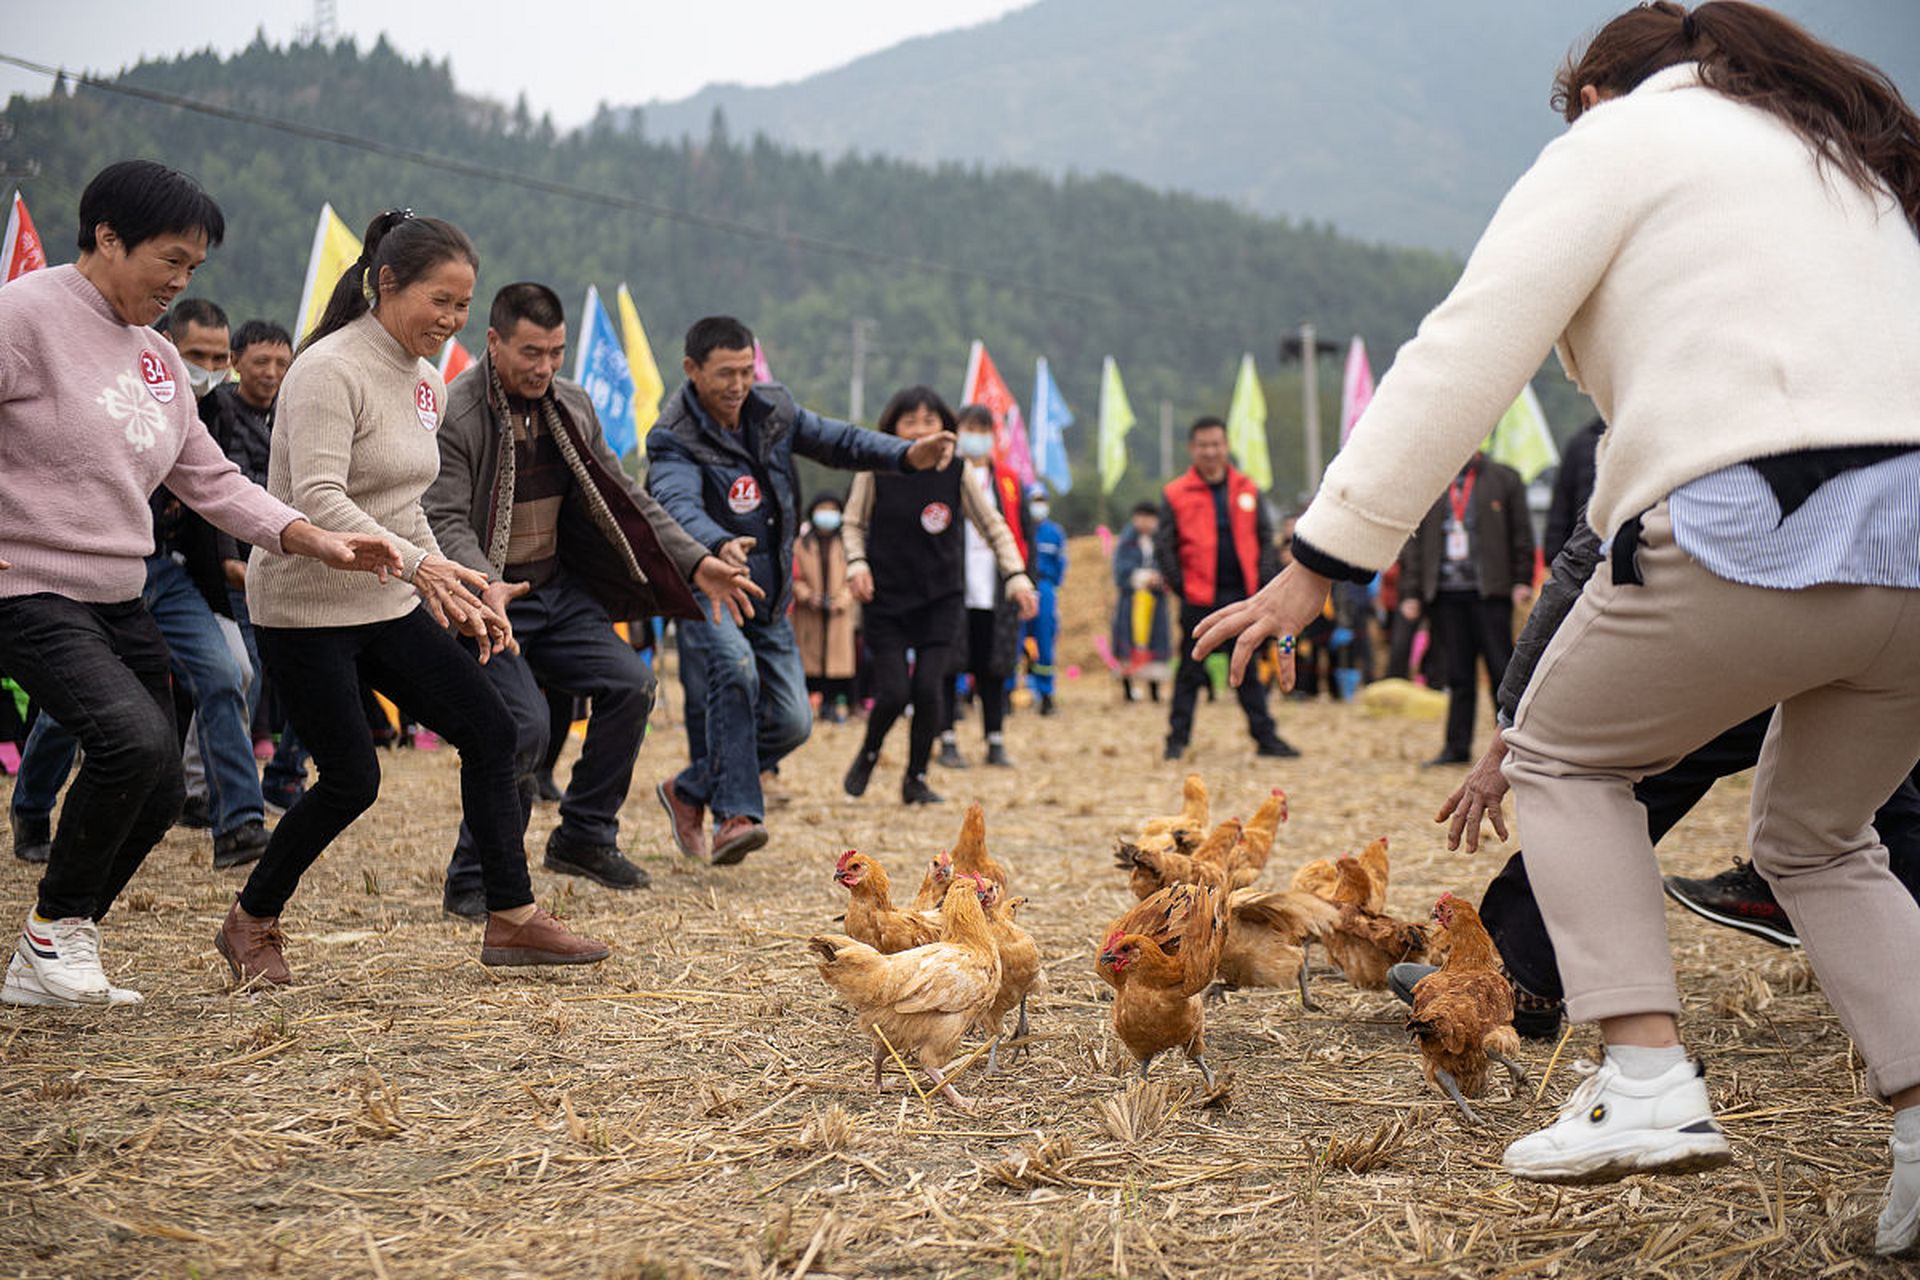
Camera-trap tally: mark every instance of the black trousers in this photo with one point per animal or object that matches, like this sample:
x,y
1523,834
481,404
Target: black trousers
x,y
101,671
1190,677
1469,631
1513,918
927,687
988,687
434,681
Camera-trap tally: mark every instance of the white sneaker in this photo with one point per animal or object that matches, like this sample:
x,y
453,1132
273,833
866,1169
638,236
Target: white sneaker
x,y
1900,1220
65,956
1614,1125
23,986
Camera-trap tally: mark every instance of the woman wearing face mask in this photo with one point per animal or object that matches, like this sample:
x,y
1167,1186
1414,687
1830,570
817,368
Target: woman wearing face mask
x,y
823,609
907,563
990,635
355,440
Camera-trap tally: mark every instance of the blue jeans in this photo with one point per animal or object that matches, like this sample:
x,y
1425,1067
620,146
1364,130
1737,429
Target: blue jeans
x,y
204,665
752,693
45,762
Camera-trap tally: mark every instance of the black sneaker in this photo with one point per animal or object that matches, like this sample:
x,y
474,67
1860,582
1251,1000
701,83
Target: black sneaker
x,y
914,790
468,902
950,757
860,773
244,844
600,863
1447,758
195,814
1403,978
997,755
1174,750
1046,705
1278,749
1738,898
32,836
545,789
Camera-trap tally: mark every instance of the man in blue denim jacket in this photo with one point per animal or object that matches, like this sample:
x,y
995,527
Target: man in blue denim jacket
x,y
720,460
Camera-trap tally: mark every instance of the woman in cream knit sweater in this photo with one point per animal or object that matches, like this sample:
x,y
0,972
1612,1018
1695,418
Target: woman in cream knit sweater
x,y
1723,249
355,440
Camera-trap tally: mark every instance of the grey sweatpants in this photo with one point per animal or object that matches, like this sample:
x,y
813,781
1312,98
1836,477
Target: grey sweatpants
x,y
1638,676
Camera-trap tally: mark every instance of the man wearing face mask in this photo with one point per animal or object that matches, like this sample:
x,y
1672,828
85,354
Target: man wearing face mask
x,y
1049,561
530,494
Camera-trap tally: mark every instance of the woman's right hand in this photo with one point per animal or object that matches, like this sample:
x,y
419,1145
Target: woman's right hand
x,y
860,582
453,596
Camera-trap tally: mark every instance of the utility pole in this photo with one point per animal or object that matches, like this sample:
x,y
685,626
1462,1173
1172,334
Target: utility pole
x,y
1310,392
863,327
1166,440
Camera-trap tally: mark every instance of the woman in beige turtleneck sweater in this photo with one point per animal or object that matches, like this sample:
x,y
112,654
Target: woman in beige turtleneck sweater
x,y
355,440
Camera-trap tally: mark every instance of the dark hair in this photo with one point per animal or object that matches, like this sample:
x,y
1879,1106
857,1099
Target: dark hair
x,y
525,300
408,246
141,199
1846,108
973,415
909,399
717,333
186,311
1206,422
1146,509
822,499
255,332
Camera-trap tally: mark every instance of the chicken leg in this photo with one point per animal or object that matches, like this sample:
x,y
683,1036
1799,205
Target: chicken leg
x,y
1445,1080
1206,1072
1306,1001
879,1062
1516,1073
948,1092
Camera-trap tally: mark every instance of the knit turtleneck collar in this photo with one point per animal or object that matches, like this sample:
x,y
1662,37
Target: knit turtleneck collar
x,y
375,335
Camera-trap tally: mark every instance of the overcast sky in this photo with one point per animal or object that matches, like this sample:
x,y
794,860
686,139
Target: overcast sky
x,y
575,55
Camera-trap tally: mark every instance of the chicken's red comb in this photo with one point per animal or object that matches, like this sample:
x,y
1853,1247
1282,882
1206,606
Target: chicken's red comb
x,y
1447,896
845,858
1112,938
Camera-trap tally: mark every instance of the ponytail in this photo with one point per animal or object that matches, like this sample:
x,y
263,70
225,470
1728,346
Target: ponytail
x,y
1845,108
410,247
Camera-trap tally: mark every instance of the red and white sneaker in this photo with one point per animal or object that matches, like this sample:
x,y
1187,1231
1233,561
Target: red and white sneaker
x,y
23,987
64,956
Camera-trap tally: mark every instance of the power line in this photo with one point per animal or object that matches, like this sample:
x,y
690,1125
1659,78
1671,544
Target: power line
x,y
636,204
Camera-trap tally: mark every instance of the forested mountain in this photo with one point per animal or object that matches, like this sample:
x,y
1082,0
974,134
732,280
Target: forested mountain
x,y
1173,286
1395,120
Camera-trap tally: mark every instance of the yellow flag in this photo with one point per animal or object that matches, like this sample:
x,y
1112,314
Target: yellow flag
x,y
647,386
335,248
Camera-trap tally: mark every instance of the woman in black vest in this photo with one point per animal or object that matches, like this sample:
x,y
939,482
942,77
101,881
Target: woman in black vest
x,y
906,563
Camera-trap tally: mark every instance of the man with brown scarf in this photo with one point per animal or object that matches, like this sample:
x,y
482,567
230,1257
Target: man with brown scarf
x,y
530,494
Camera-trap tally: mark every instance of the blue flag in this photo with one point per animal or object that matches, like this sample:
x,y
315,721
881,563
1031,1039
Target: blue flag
x,y
601,368
1051,418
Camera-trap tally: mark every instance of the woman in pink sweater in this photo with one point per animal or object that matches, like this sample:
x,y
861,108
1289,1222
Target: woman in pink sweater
x,y
95,414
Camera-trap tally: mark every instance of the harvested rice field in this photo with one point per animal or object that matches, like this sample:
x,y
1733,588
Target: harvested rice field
x,y
699,1105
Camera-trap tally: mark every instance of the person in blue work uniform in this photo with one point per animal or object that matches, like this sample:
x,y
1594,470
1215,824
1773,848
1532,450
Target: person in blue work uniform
x,y
720,460
1039,633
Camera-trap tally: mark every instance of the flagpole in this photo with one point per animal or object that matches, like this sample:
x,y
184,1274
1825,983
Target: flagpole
x,y
1310,394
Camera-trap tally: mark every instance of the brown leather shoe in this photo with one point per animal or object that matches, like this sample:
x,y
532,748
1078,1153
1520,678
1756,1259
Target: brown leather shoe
x,y
541,940
252,948
736,838
688,819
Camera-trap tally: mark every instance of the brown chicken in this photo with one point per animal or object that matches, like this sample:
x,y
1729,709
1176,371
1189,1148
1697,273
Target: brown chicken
x,y
933,885
1249,857
970,856
1155,869
1266,938
1020,971
1321,876
920,1001
871,916
1365,943
1181,832
1463,1013
1160,957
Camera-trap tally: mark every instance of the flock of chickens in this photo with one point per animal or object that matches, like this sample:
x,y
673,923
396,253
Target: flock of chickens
x,y
920,977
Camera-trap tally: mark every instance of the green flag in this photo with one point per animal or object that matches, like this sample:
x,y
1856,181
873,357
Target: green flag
x,y
1521,439
1247,425
1116,419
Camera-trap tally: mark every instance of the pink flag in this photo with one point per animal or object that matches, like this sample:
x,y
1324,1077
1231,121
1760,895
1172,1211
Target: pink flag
x,y
20,250
1356,389
762,371
454,360
985,386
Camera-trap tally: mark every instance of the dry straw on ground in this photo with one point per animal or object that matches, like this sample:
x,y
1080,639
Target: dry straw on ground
x,y
699,1106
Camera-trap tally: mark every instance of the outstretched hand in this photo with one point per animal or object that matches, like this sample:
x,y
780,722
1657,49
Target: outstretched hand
x,y
453,596
1282,609
729,586
364,552
1478,796
931,453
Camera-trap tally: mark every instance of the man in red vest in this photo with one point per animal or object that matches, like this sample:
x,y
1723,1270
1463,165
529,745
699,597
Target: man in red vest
x,y
1216,547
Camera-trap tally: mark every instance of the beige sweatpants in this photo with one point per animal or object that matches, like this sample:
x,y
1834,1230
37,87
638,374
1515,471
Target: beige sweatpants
x,y
1636,678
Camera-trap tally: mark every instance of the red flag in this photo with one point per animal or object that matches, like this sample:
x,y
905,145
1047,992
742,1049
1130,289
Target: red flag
x,y
985,386
21,250
454,360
